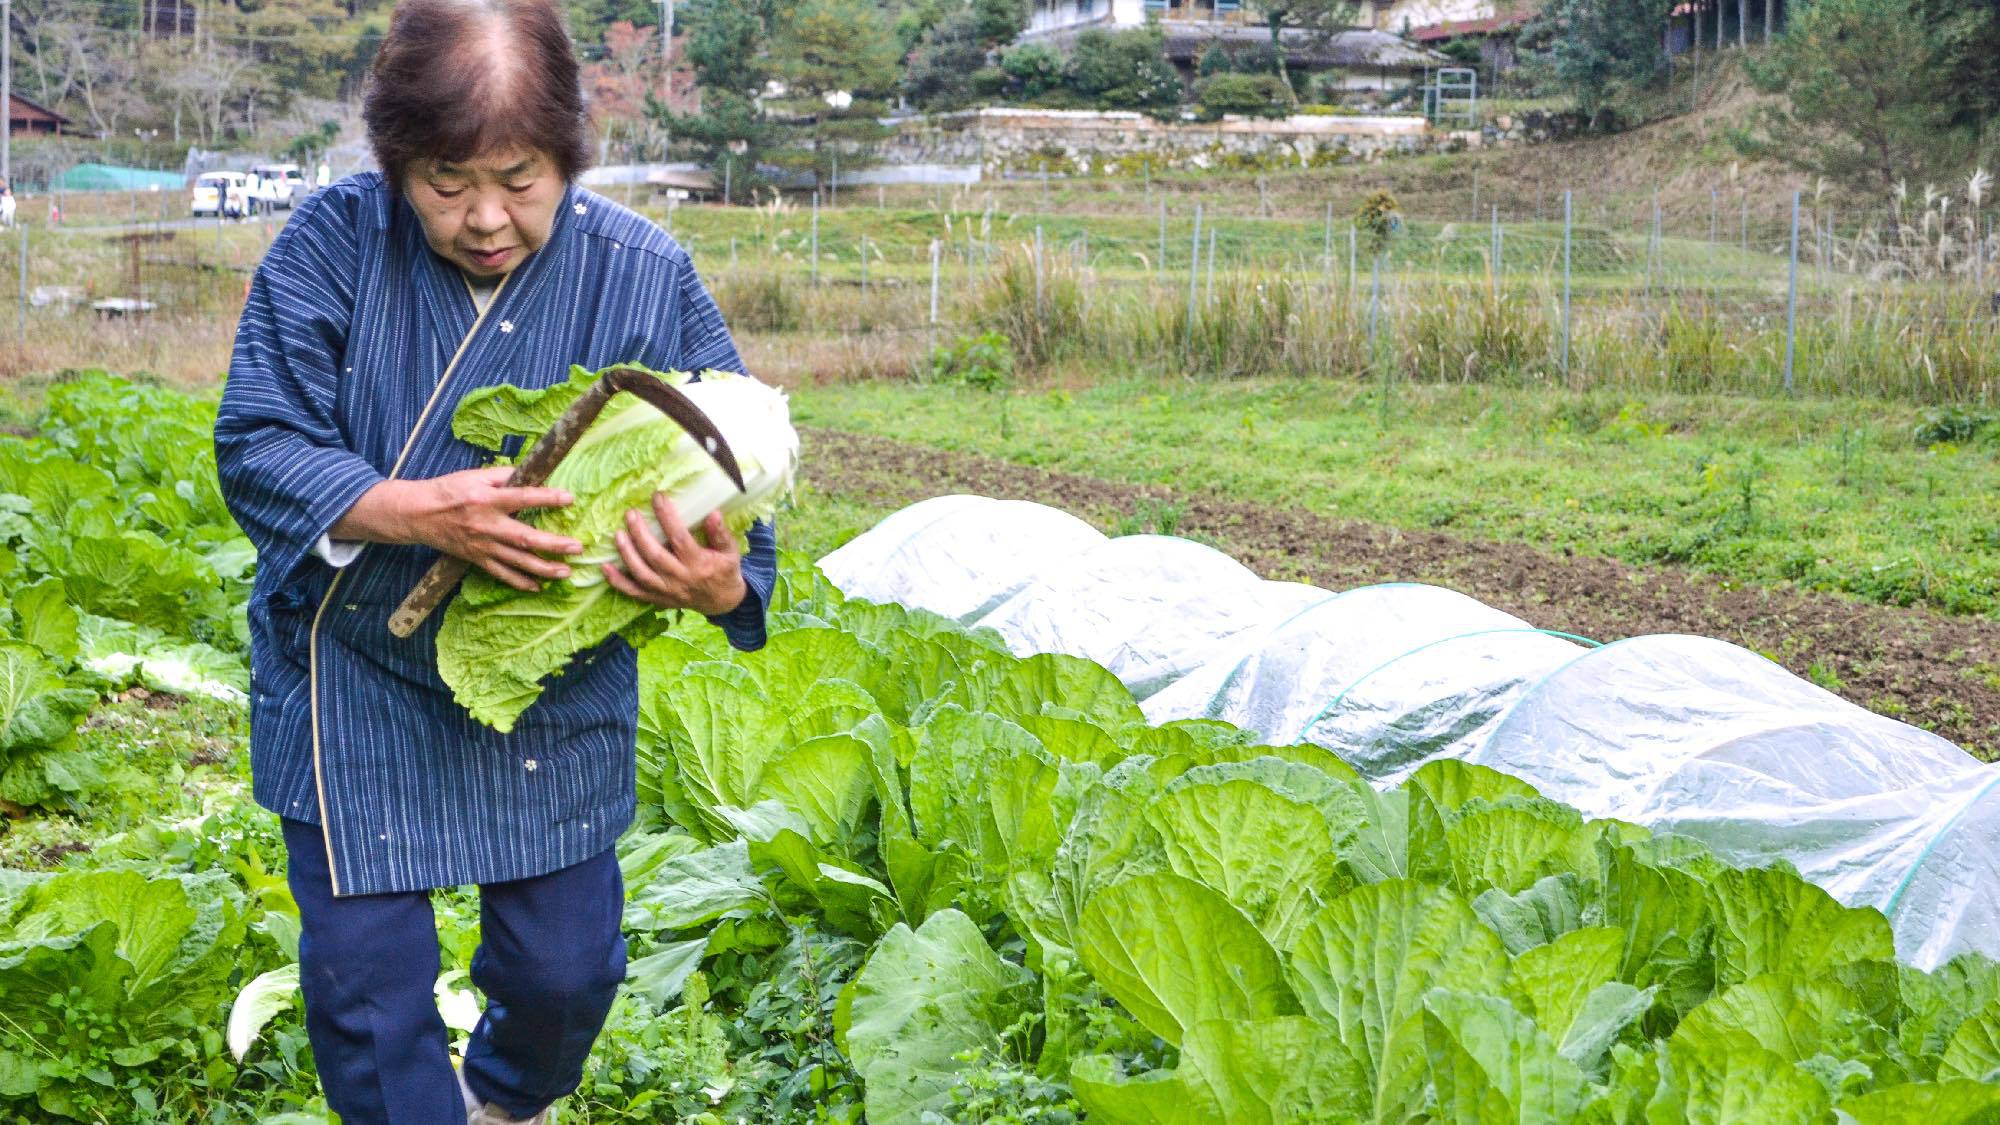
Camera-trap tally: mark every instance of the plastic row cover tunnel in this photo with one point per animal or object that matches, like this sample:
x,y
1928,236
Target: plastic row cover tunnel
x,y
1683,734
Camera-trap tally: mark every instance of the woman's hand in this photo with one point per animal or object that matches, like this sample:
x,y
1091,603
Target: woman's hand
x,y
469,514
678,572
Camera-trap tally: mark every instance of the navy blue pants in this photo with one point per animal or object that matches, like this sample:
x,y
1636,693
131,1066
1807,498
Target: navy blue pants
x,y
549,962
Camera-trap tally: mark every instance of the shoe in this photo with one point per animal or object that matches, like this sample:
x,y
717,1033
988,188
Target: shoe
x,y
486,1113
490,1114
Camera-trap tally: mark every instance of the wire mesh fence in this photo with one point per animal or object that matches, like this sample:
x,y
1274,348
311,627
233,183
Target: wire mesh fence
x,y
1722,293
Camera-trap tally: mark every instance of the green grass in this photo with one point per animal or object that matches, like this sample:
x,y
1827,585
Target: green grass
x,y
1830,495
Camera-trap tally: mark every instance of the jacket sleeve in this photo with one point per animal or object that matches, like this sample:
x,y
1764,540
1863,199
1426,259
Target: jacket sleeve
x,y
744,625
703,343
286,472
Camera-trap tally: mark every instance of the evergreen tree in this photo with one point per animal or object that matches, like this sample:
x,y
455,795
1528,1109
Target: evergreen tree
x,y
1321,18
1596,49
944,68
1000,21
1123,70
797,87
1872,94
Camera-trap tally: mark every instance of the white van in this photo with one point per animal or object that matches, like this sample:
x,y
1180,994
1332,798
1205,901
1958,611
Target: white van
x,y
280,186
223,195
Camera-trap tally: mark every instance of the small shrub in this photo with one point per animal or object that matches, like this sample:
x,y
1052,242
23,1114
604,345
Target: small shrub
x,y
985,361
1252,95
1035,69
1956,425
760,302
1123,69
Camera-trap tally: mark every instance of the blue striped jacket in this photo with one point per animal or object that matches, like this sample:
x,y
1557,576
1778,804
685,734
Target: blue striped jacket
x,y
355,346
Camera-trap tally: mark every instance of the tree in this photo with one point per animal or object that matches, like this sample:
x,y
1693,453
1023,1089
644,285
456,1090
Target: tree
x,y
620,82
1035,70
1123,69
1596,49
590,20
792,86
837,61
944,67
1321,19
728,44
1870,94
1000,21
917,17
1974,86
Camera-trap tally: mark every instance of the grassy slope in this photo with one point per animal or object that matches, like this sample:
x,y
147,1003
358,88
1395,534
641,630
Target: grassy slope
x,y
1831,495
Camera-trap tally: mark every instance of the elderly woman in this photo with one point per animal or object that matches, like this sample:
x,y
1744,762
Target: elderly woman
x,y
471,259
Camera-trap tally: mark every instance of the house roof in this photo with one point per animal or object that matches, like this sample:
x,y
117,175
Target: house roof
x,y
1452,29
1186,42
21,109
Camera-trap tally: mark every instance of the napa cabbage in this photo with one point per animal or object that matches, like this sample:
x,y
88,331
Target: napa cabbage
x,y
498,644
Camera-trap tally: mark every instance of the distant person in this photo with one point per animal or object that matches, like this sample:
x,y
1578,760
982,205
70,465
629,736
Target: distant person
x,y
325,175
472,259
7,205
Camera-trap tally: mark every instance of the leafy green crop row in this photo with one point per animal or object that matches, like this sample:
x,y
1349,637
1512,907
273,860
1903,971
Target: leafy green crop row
x,y
1177,925
119,565
886,869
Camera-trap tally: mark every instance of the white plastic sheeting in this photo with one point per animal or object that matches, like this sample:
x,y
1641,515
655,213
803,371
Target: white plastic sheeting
x,y
1700,737
1144,606
1684,734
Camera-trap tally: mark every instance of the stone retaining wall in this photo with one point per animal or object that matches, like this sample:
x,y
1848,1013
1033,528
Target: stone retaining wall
x,y
1086,142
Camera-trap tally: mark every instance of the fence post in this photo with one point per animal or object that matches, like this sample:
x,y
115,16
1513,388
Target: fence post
x,y
1746,226
1792,300
1161,270
1194,276
1209,297
1569,213
1374,302
1494,266
1653,249
815,239
1326,249
24,283
1038,271
1353,263
937,249
1714,215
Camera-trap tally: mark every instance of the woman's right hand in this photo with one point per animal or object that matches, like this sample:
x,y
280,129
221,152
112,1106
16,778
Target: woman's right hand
x,y
468,514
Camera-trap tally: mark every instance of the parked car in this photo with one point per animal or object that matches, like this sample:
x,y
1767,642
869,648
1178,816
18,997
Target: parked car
x,y
281,186
226,195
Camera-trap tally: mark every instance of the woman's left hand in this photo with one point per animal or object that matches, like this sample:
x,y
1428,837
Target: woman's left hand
x,y
678,572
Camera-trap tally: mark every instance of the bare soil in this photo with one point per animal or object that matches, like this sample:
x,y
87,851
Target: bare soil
x,y
1941,673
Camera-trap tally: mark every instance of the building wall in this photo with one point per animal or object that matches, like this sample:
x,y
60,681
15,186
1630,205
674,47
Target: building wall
x,y
1393,17
1066,15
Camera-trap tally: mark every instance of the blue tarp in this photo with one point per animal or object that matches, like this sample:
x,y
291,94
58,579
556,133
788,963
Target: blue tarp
x,y
109,177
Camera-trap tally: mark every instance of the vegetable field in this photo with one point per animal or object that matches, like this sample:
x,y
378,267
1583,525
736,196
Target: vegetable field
x,y
887,871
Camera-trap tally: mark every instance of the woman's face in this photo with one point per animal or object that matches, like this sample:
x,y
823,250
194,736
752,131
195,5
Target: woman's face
x,y
487,214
